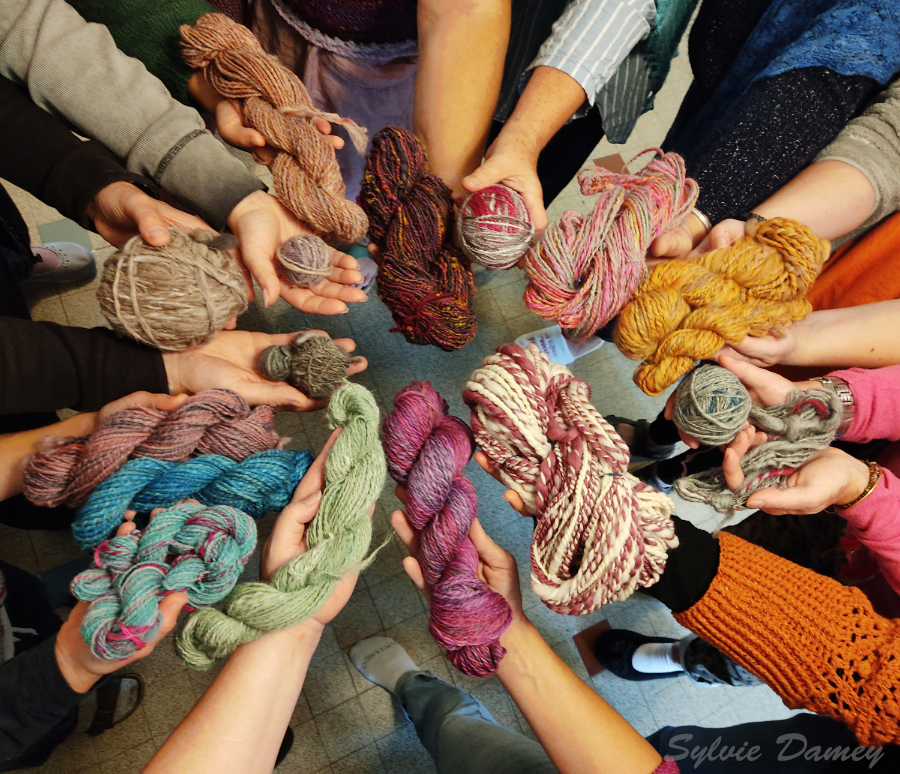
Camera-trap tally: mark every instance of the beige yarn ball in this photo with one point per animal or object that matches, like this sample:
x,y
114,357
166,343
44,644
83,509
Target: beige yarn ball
x,y
173,297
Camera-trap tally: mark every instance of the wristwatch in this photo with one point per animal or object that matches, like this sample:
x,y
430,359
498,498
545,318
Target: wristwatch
x,y
842,389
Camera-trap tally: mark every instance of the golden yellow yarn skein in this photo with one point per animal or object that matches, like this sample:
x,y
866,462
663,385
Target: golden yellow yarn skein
x,y
686,310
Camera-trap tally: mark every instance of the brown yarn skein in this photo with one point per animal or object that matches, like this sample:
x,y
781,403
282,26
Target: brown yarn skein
x,y
313,364
304,261
173,297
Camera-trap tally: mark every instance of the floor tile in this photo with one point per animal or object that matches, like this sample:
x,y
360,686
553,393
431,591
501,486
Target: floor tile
x,y
359,618
327,684
396,600
344,729
364,761
307,755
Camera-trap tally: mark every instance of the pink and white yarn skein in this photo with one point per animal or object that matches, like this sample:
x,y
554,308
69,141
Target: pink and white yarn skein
x,y
494,227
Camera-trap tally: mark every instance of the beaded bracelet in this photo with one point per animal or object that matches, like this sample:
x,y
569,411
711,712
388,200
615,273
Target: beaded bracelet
x,y
874,477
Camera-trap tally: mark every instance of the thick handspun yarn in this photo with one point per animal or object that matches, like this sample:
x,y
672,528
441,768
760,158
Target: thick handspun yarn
x,y
262,483
210,422
797,429
173,297
337,541
426,452
423,278
711,405
586,268
304,261
601,533
190,547
275,102
494,227
312,363
687,310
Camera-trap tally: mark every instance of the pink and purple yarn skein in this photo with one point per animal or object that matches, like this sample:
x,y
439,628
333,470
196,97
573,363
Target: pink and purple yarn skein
x,y
426,452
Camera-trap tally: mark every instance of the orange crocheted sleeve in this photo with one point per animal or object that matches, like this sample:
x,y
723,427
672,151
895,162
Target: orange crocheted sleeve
x,y
818,644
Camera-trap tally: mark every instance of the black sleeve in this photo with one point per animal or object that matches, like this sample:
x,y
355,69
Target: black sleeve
x,y
47,160
690,568
46,367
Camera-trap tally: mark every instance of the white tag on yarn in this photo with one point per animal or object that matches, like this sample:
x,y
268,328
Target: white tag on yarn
x,y
554,345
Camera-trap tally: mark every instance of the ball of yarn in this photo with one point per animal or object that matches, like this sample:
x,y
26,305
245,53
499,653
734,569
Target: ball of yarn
x,y
586,268
304,261
313,364
190,548
494,227
276,103
711,405
601,533
423,278
210,422
426,452
173,297
261,483
687,310
337,541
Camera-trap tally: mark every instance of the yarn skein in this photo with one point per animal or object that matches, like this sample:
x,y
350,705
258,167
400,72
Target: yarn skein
x,y
313,364
304,261
711,405
276,103
190,547
586,268
494,227
422,278
173,297
601,533
261,483
799,428
337,541
687,310
426,452
210,422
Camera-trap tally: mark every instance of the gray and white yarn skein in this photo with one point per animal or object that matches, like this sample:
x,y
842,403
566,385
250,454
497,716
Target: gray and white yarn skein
x,y
711,405
173,297
304,261
312,363
494,227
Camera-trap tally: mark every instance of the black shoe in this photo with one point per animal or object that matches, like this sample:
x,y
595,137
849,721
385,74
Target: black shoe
x,y
286,744
615,649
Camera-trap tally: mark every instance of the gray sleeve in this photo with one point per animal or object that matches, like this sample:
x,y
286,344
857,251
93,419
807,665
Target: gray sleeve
x,y
73,70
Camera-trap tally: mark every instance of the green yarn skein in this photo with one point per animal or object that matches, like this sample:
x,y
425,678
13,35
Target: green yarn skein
x,y
337,542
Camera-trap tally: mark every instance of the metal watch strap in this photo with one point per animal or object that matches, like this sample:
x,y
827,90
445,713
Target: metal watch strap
x,y
842,390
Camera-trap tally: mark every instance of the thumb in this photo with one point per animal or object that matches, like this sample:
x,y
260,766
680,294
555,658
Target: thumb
x,y
169,609
779,501
278,395
490,172
144,213
488,551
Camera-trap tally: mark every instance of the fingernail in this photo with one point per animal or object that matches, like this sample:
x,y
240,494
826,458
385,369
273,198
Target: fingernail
x,y
158,233
265,297
313,499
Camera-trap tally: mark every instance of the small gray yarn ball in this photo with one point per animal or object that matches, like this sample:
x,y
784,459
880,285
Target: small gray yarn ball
x,y
711,405
304,261
313,364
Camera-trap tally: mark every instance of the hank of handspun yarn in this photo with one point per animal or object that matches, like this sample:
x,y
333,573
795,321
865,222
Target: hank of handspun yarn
x,y
276,103
586,268
494,227
304,261
601,533
337,541
312,363
261,483
190,547
173,297
210,422
711,405
426,452
687,310
797,429
423,278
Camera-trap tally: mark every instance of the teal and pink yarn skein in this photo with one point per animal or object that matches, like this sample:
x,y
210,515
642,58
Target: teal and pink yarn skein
x,y
191,548
426,451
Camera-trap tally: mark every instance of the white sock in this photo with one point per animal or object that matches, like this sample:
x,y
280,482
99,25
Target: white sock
x,y
382,661
655,658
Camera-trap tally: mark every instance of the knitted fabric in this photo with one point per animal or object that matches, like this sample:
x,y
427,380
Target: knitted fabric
x,y
601,533
201,551
304,261
426,452
337,541
494,227
210,422
687,310
799,428
313,364
423,278
173,297
275,102
586,269
817,643
262,483
711,405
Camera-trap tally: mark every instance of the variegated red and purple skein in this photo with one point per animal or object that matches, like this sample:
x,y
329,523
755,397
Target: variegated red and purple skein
x,y
587,268
426,452
601,533
210,422
189,547
422,278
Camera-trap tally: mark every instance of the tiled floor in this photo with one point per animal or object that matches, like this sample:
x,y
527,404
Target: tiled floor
x,y
343,723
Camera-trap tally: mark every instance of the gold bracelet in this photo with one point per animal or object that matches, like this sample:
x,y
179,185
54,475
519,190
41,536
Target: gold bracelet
x,y
874,477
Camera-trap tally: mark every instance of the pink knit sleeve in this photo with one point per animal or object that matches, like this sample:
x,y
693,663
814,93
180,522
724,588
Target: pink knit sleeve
x,y
876,393
668,766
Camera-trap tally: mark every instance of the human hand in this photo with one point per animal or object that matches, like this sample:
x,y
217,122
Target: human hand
x,y
763,351
679,241
142,400
723,234
229,362
261,224
122,210
513,498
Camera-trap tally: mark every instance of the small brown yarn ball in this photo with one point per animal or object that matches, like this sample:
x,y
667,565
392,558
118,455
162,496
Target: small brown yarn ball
x,y
173,297
313,364
304,261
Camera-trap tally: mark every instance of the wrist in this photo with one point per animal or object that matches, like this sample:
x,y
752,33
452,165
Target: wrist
x,y
172,363
862,479
79,678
